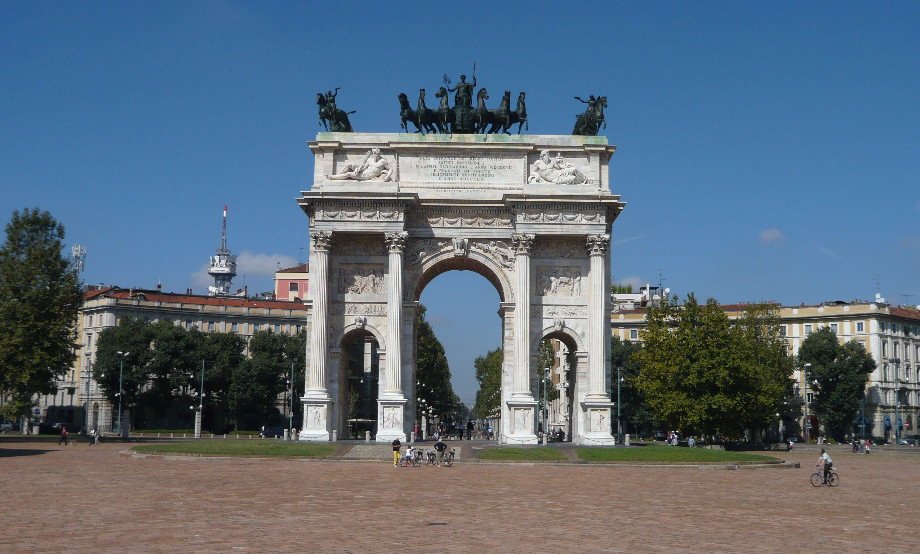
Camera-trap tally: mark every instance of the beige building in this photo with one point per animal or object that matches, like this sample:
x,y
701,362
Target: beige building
x,y
104,307
890,334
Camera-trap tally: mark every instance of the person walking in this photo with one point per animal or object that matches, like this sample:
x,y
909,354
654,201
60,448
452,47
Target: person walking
x,y
396,446
63,436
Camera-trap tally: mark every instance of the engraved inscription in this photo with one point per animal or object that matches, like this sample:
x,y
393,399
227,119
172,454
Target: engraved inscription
x,y
470,168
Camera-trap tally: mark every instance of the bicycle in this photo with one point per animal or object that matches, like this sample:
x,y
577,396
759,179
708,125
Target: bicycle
x,y
817,478
405,461
448,459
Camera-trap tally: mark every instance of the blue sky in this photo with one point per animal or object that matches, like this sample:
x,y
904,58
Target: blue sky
x,y
766,151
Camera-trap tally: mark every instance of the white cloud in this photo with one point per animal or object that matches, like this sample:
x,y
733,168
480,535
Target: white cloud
x,y
251,265
770,236
635,281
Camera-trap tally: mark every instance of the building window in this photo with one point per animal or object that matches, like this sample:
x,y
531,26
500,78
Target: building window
x,y
633,334
884,372
811,397
212,326
834,328
884,348
782,330
234,327
859,327
881,327
277,328
293,287
89,321
255,327
807,329
297,329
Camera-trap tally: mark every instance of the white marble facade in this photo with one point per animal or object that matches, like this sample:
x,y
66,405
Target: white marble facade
x,y
532,214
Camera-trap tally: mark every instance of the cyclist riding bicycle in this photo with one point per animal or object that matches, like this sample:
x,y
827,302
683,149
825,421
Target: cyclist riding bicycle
x,y
826,460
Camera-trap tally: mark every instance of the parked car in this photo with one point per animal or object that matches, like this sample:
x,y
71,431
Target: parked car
x,y
913,440
6,426
272,432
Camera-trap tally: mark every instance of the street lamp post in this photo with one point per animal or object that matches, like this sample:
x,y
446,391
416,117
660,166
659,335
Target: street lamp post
x,y
121,371
807,421
545,371
200,405
897,401
291,407
88,374
619,423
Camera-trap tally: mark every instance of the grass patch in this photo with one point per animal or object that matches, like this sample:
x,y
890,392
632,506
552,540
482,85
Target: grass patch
x,y
672,454
523,454
266,447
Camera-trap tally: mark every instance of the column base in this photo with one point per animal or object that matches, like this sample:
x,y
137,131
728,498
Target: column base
x,y
391,415
316,417
521,412
597,419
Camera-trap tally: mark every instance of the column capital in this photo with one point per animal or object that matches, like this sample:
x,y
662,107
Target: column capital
x,y
321,239
396,242
522,243
597,244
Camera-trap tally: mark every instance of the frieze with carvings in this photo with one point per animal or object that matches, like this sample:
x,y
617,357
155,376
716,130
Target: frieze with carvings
x,y
560,217
551,312
558,248
360,279
454,219
495,249
559,281
357,214
340,308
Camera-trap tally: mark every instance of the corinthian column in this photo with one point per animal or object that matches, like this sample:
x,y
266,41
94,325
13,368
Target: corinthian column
x,y
597,319
319,287
521,381
396,245
316,398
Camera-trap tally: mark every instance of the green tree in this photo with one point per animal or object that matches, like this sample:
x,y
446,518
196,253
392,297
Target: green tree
x,y
840,371
702,373
259,381
432,369
545,362
634,410
489,375
40,298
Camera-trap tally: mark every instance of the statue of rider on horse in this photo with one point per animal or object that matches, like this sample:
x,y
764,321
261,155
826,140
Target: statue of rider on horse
x,y
332,118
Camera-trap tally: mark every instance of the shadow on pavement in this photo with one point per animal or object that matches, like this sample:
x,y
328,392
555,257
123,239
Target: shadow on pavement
x,y
15,452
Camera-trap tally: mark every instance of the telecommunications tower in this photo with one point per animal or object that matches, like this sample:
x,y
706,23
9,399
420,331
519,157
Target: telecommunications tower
x,y
223,266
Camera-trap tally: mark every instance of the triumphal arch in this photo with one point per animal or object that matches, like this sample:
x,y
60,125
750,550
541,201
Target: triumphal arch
x,y
389,212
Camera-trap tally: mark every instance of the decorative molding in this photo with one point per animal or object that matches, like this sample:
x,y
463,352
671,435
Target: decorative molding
x,y
597,244
420,250
522,243
322,240
360,279
364,246
358,214
455,219
558,216
461,246
396,242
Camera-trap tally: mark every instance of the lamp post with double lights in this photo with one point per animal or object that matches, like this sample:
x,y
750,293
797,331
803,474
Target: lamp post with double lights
x,y
619,423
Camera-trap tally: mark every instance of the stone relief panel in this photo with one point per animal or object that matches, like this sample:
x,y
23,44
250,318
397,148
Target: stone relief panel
x,y
566,248
556,170
559,216
559,280
521,418
454,219
598,419
373,167
419,251
315,417
495,249
392,417
360,279
363,246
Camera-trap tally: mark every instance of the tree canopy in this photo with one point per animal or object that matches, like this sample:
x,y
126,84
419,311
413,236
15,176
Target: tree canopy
x,y
40,298
840,372
432,369
633,407
489,374
702,373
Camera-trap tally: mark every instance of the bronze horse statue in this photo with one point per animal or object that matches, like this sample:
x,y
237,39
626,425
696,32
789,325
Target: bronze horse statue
x,y
446,116
406,113
589,123
337,119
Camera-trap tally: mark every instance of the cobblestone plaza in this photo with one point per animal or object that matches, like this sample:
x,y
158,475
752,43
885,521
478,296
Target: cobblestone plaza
x,y
81,498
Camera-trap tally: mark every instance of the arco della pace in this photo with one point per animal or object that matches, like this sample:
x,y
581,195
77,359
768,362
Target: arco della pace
x,y
390,212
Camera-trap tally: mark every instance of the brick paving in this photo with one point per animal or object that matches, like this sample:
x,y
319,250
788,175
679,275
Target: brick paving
x,y
80,498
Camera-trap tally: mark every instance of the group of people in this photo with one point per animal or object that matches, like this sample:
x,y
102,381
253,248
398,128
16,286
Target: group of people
x,y
861,446
65,437
413,452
